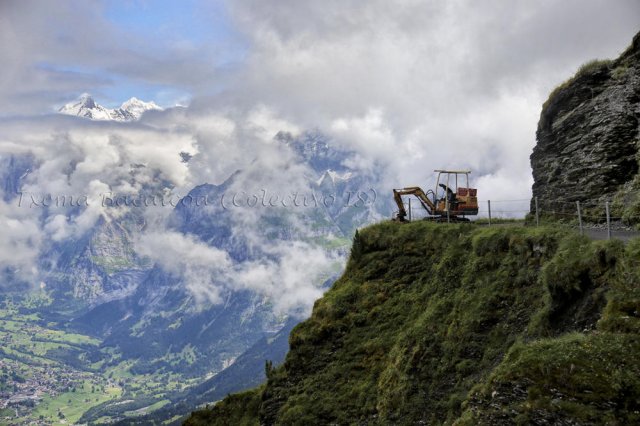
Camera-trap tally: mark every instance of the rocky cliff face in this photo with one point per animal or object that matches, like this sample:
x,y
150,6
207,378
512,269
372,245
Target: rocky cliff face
x,y
588,136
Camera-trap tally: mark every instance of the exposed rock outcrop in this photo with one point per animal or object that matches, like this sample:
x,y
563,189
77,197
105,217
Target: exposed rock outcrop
x,y
588,138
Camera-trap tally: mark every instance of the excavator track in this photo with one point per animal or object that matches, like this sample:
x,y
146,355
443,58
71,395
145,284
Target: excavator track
x,y
444,219
438,219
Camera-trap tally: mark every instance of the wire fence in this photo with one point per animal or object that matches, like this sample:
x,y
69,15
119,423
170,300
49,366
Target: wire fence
x,y
591,218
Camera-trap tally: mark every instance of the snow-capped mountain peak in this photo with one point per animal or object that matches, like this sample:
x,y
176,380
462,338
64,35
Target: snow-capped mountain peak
x,y
137,107
86,107
86,100
334,178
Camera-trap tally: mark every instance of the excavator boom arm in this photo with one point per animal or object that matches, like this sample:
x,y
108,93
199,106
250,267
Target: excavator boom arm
x,y
419,193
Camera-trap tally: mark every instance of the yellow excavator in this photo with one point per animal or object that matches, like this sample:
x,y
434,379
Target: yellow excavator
x,y
452,203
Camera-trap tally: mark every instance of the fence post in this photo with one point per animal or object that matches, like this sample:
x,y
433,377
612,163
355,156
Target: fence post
x,y
606,208
537,213
409,209
448,220
489,208
580,218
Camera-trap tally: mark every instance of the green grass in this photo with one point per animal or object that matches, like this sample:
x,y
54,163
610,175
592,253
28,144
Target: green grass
x,y
37,299
71,338
73,404
238,410
497,221
586,68
9,325
595,370
436,323
626,202
148,409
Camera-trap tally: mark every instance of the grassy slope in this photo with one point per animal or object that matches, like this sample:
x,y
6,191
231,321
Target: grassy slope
x,y
460,324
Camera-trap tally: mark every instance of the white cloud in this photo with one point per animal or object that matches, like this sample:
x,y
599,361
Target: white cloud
x,y
290,275
410,86
203,269
370,136
292,282
20,243
265,124
423,85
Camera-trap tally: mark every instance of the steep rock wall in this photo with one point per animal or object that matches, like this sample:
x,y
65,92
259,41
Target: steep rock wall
x,y
588,135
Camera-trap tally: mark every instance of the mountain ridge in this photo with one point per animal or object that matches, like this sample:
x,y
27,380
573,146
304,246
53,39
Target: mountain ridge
x,y
86,107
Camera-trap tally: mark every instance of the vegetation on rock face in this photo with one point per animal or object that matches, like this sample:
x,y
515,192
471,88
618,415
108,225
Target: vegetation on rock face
x,y
626,201
238,409
459,324
591,67
588,142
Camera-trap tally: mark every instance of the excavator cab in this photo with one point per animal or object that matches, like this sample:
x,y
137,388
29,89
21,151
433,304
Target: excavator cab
x,y
452,199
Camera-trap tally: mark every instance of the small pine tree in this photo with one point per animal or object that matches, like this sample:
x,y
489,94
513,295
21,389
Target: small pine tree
x,y
268,368
356,247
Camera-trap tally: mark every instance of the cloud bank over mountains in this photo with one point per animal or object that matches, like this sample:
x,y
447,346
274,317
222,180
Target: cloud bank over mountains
x,y
79,171
407,86
398,81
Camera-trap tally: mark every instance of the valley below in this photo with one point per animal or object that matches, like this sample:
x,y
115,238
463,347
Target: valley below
x,y
53,376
